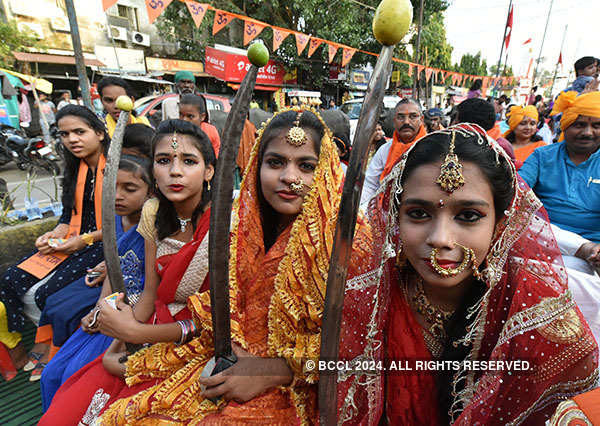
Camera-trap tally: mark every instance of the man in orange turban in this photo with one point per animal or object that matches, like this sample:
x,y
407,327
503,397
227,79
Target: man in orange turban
x,y
566,176
408,128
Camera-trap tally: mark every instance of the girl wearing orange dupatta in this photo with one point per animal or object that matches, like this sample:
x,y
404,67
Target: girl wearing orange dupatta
x,y
464,269
85,139
282,235
175,231
522,132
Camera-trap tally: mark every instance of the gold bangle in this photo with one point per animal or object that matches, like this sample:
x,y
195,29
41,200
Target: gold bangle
x,y
87,238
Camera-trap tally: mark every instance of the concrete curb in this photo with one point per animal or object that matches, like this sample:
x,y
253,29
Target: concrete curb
x,y
18,240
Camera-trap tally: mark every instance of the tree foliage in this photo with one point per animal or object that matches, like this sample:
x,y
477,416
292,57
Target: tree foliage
x,y
13,40
472,64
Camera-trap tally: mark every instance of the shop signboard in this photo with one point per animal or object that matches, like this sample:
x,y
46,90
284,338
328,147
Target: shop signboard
x,y
359,79
130,60
173,65
232,67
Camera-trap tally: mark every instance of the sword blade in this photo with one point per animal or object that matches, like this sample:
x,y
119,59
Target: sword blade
x,y
344,232
220,216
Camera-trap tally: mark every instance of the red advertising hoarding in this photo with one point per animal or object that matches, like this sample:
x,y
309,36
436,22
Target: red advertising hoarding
x,y
231,67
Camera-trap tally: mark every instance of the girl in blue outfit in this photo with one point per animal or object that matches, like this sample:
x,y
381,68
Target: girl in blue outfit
x,y
65,309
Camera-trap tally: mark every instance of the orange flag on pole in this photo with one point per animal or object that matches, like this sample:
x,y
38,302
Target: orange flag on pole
x,y
251,30
420,68
107,3
155,8
197,10
313,45
221,20
301,42
347,54
332,50
278,36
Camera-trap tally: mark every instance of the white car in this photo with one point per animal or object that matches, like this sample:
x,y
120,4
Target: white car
x,y
352,110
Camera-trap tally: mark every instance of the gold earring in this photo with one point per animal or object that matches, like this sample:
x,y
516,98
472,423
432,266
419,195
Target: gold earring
x,y
400,258
208,185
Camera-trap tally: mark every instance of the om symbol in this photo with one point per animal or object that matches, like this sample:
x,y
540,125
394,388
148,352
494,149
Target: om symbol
x,y
156,3
250,30
196,9
221,19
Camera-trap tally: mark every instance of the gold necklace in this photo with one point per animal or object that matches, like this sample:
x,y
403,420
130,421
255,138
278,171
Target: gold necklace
x,y
433,315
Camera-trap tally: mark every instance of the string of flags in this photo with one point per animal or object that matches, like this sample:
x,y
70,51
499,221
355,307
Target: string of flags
x,y
253,27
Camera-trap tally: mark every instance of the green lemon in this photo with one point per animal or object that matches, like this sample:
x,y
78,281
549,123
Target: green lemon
x,y
124,103
258,54
392,20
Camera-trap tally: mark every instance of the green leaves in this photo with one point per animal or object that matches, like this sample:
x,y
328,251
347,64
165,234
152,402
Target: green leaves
x,y
14,40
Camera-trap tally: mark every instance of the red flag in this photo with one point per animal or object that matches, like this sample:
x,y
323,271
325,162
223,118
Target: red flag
x,y
278,36
527,41
197,10
560,59
508,30
347,54
155,8
301,42
251,30
313,45
221,20
108,3
332,50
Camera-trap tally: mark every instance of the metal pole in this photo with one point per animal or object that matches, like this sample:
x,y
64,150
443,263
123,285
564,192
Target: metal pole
x,y
537,63
84,84
114,45
503,39
416,53
560,54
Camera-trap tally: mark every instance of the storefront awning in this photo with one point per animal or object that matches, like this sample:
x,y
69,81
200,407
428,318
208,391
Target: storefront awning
x,y
40,84
54,59
235,86
139,78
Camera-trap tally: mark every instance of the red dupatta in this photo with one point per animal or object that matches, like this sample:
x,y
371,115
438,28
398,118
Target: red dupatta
x,y
171,269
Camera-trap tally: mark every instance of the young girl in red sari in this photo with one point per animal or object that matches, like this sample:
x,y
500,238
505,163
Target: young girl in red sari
x,y
175,229
467,280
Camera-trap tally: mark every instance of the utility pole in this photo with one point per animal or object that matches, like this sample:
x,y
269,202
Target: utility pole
x,y
416,53
537,63
560,56
84,84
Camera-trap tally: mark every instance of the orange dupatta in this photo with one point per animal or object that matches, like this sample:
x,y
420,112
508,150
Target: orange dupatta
x,y
40,265
397,149
522,153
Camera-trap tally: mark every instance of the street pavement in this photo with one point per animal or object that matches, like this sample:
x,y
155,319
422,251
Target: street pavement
x,y
43,186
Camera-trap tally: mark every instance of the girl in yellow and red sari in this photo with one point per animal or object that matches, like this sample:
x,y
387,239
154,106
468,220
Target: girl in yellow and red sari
x,y
282,233
466,279
175,230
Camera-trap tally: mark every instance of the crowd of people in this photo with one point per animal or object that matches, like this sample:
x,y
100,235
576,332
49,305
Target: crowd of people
x,y
474,246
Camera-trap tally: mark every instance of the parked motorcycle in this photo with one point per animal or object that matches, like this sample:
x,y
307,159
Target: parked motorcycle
x,y
29,153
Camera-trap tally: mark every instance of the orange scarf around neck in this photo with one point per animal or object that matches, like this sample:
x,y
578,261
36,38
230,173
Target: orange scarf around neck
x,y
398,148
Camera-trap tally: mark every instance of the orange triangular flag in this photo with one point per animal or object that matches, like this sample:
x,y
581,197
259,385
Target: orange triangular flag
x,y
155,8
410,70
278,36
443,76
420,68
428,72
221,20
301,42
108,3
251,30
197,10
347,54
332,50
454,78
313,45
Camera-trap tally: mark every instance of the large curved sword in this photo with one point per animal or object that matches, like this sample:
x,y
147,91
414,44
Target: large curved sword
x,y
344,233
220,219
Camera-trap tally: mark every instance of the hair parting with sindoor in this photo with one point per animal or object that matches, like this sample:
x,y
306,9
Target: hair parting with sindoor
x,y
499,176
277,126
166,217
69,180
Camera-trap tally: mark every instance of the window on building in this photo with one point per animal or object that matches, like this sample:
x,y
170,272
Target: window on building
x,y
126,13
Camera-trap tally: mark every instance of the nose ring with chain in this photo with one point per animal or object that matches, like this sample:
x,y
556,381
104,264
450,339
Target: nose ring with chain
x,y
297,186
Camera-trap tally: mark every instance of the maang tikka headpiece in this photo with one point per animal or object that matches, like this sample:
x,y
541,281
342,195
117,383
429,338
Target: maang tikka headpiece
x,y
296,136
451,177
174,143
